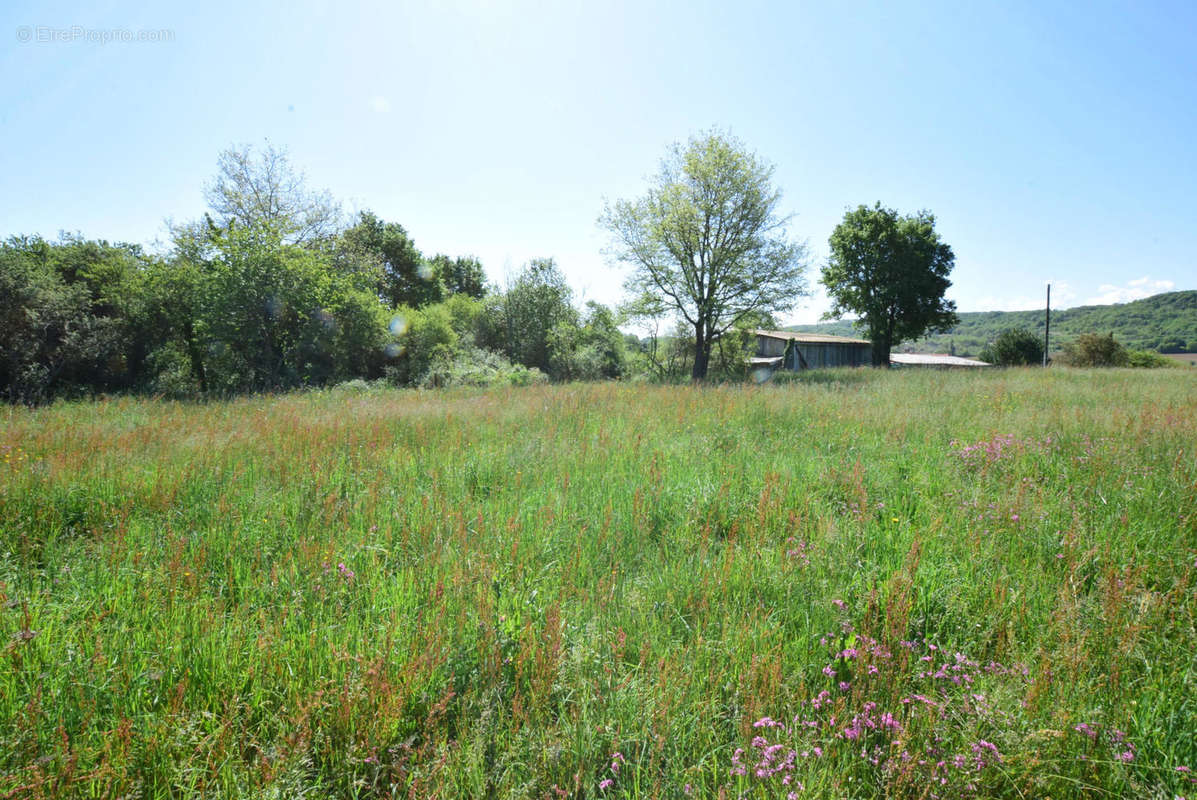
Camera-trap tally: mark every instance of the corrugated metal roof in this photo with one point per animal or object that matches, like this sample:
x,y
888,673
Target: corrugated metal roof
x,y
934,360
812,338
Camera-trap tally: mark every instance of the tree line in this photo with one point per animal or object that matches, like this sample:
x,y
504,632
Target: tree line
x,y
272,289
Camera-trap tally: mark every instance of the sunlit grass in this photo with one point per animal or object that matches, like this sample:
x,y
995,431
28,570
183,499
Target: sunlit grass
x,y
488,594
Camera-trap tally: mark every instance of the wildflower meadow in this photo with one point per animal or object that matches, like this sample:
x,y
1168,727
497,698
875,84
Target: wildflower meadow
x,y
851,584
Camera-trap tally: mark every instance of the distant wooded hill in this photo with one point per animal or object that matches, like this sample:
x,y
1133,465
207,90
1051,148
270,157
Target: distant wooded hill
x,y
1165,323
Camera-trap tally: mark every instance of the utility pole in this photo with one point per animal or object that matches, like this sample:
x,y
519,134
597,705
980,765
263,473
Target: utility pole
x,y
1047,324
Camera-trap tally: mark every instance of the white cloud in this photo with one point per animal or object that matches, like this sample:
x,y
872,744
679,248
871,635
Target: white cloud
x,y
1062,297
1133,290
380,104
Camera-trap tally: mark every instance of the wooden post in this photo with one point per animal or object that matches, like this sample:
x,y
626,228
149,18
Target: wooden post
x,y
1047,325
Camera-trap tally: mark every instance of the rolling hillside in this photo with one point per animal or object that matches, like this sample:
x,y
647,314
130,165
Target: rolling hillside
x,y
1166,323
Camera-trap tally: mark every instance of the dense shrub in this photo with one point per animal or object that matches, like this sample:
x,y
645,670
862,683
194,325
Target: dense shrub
x,y
1014,347
1145,359
473,366
1095,350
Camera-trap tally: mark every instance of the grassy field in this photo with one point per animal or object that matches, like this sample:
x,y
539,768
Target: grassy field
x,y
860,584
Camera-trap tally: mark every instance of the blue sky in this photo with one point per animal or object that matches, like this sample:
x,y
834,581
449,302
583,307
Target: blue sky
x,y
1053,141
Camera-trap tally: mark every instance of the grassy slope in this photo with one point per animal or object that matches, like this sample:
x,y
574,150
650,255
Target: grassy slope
x,y
489,594
1163,322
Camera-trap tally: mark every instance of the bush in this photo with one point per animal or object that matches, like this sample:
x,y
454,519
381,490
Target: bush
x,y
424,337
1095,350
472,366
1145,359
1014,347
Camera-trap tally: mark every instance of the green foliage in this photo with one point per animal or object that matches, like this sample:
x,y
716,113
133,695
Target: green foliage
x,y
467,365
892,271
461,275
594,350
1145,359
706,241
72,317
258,295
271,315
533,307
1095,350
1015,347
406,279
424,336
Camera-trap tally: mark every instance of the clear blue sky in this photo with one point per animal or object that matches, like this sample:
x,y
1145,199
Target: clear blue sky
x,y
1053,141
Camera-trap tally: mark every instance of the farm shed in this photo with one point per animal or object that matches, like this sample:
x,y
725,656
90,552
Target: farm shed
x,y
932,360
796,351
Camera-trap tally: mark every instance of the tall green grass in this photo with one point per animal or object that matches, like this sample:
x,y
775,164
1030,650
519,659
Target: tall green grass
x,y
606,591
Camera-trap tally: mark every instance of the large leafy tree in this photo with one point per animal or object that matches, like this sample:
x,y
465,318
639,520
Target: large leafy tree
x,y
707,242
405,278
71,317
536,303
892,272
263,315
261,293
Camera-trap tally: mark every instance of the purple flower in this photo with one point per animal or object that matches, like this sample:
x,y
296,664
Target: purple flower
x,y
606,783
983,745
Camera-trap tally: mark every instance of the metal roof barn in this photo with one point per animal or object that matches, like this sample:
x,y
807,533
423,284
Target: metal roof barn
x,y
933,360
797,351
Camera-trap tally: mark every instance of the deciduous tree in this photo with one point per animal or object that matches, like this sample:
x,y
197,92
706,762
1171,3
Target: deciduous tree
x,y
405,278
891,271
256,188
707,240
